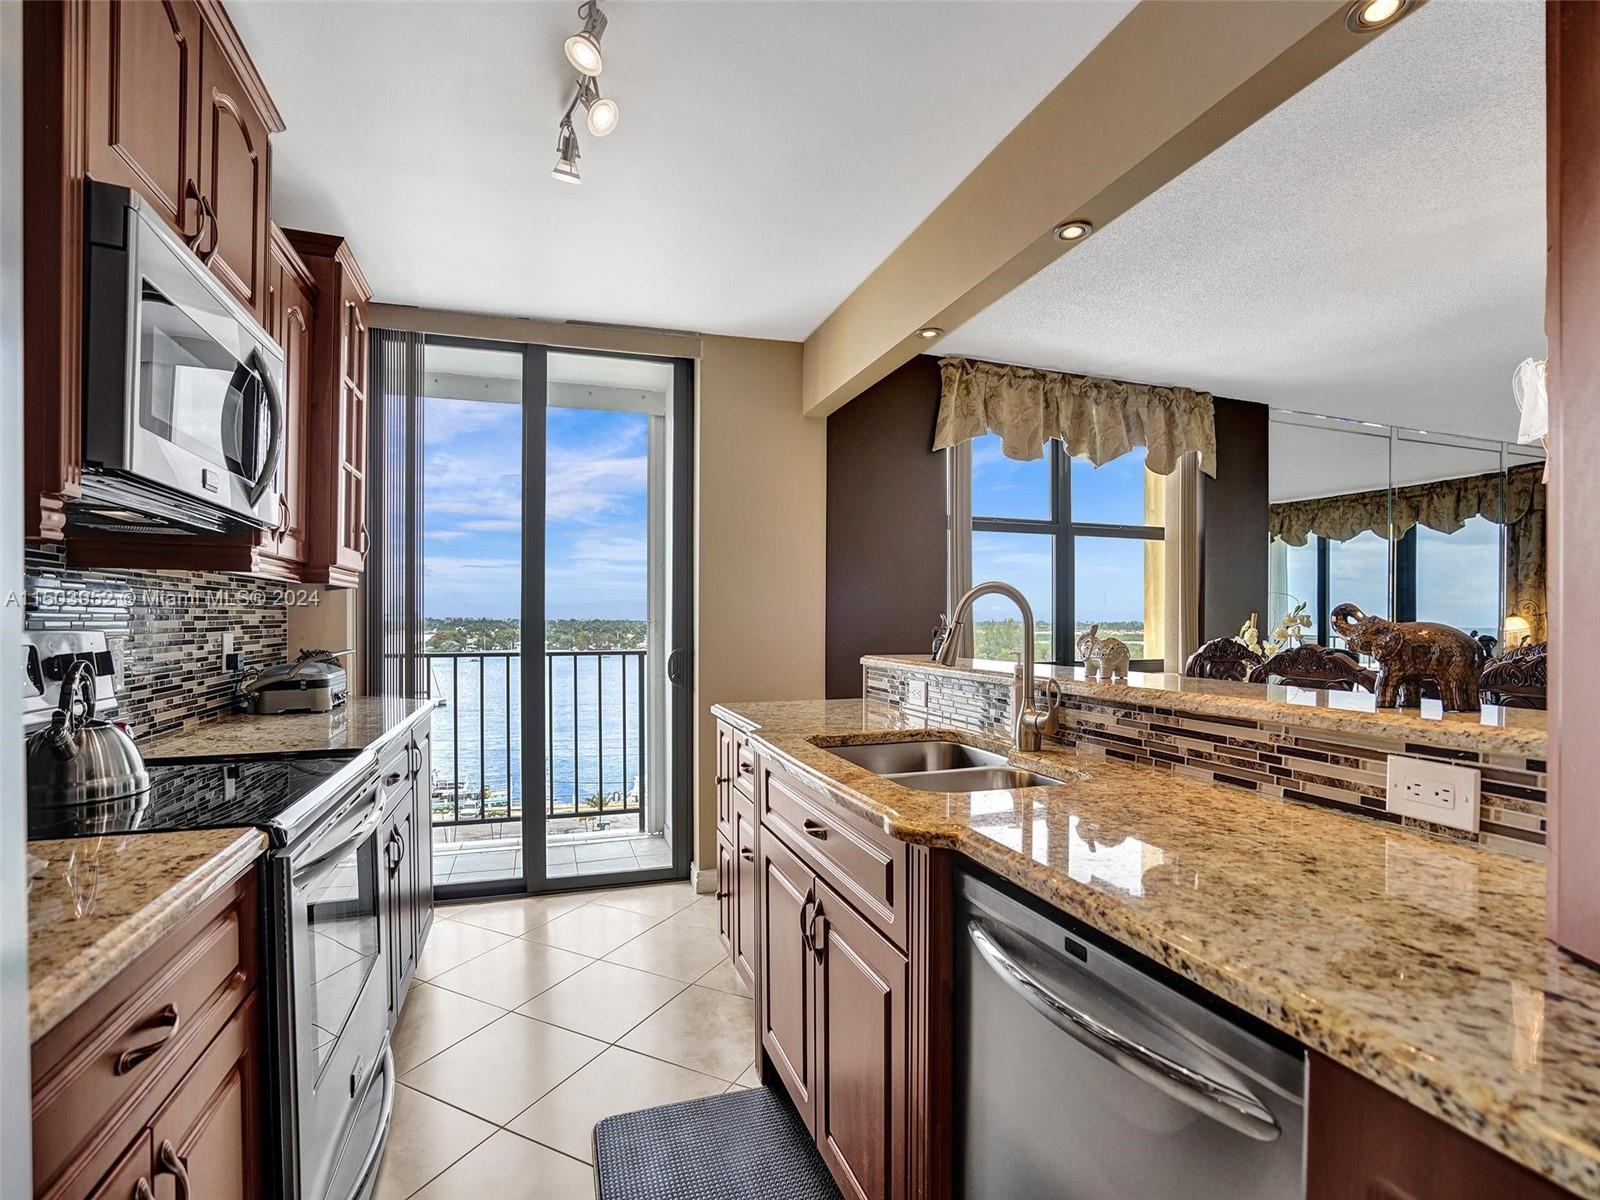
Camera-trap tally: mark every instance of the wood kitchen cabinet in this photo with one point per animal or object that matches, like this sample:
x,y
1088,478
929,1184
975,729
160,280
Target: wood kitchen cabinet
x,y
155,1087
1364,1143
176,112
291,309
406,844
336,413
833,1023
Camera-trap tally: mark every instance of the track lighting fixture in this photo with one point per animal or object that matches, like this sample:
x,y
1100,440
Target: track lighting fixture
x,y
583,47
601,112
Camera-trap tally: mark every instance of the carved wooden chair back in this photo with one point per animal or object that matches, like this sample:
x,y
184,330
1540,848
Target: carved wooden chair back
x,y
1324,667
1222,658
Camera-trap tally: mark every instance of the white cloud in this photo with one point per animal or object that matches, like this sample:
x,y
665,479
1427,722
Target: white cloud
x,y
444,420
446,535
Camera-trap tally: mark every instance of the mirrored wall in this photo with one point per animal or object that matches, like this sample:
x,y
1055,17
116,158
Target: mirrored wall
x,y
1408,524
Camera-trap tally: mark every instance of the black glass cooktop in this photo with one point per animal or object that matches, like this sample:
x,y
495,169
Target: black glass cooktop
x,y
194,795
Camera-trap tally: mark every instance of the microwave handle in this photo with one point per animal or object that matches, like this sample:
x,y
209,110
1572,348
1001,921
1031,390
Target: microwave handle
x,y
269,468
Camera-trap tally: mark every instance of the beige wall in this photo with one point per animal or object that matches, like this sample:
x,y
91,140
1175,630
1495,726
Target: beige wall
x,y
329,624
761,533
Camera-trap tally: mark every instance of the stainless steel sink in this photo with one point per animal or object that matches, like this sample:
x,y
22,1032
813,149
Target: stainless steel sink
x,y
972,779
898,758
941,766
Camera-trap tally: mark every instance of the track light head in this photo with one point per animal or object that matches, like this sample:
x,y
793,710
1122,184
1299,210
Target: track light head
x,y
566,168
603,112
583,47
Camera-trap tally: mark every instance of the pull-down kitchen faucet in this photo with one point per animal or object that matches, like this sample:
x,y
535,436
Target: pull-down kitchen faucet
x,y
1028,724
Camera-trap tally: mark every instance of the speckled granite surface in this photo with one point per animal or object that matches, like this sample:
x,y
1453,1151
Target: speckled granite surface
x,y
1418,963
361,722
98,903
1494,730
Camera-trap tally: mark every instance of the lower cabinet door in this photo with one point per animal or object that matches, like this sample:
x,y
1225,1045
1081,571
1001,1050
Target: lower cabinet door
x,y
861,1097
207,1141
421,848
744,892
788,896
727,915
131,1176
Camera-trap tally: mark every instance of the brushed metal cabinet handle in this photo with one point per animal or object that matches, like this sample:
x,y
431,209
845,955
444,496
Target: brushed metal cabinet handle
x,y
815,829
172,1163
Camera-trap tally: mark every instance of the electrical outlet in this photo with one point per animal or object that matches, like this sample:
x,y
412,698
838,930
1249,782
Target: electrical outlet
x,y
917,692
227,648
1443,793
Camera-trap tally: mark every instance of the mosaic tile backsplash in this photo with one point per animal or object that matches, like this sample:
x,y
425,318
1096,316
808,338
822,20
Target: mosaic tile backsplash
x,y
1343,772
164,629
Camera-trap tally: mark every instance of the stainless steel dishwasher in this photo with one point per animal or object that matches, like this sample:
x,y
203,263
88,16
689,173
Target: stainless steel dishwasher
x,y
1083,1077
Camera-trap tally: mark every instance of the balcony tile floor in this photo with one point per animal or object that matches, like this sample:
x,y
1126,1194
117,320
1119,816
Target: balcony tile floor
x,y
501,857
533,1018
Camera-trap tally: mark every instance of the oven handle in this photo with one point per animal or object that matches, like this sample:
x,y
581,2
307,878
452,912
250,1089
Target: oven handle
x,y
1233,1107
269,469
356,835
369,1165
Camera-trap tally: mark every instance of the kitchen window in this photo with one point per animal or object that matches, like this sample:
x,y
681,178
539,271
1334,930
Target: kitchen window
x,y
1084,544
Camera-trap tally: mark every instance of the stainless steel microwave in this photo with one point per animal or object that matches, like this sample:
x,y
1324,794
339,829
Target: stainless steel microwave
x,y
183,419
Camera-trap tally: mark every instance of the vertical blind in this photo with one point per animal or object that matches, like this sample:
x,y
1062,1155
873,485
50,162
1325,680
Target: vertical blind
x,y
392,591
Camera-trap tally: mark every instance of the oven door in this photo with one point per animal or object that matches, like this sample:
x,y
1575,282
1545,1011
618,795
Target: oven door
x,y
339,986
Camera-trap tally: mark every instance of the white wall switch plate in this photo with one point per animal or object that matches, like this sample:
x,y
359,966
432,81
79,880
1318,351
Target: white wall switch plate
x,y
917,692
1443,793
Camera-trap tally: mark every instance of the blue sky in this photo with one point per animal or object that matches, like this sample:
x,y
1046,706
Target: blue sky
x,y
595,496
1109,571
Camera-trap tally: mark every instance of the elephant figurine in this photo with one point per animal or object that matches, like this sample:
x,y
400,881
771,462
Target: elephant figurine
x,y
1410,652
1105,656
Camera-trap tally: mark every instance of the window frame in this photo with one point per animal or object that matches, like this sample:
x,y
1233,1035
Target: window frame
x,y
1065,531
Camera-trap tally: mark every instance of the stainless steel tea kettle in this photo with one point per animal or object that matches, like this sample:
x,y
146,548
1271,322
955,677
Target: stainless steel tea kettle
x,y
78,760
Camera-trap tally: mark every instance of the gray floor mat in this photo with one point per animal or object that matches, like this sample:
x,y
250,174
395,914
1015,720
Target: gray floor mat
x,y
744,1145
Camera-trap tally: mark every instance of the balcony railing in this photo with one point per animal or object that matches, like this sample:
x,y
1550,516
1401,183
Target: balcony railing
x,y
594,768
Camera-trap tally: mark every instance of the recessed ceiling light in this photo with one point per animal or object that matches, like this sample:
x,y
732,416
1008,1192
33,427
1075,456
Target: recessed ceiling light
x,y
928,332
1074,231
1367,15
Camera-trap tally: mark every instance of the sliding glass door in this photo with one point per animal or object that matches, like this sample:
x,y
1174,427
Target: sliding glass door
x,y
555,611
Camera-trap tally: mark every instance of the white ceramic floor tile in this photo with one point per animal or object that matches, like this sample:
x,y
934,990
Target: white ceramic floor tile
x,y
513,973
508,1167
434,1019
618,1081
450,943
706,1031
425,1137
504,1067
604,1000
594,930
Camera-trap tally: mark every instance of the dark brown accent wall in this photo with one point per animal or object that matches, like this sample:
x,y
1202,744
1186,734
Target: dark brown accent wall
x,y
886,524
1233,522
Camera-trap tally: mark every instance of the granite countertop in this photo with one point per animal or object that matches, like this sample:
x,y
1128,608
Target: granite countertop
x,y
356,725
1494,730
1417,962
98,903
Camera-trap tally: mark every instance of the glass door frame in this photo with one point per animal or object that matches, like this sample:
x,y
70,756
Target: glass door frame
x,y
679,664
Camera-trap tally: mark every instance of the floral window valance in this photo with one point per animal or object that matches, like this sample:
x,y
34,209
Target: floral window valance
x,y
1096,419
1445,505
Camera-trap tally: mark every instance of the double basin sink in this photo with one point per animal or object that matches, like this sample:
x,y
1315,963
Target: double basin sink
x,y
941,766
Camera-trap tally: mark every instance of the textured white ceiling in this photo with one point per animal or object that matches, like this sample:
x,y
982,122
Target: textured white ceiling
x,y
1373,248
769,155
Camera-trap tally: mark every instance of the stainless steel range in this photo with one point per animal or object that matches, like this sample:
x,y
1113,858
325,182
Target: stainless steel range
x,y
325,953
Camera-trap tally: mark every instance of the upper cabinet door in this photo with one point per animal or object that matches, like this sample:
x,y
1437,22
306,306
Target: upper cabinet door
x,y
233,179
143,104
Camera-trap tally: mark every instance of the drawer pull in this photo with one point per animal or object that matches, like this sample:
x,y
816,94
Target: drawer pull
x,y
724,894
168,1160
746,767
722,779
129,1059
746,853
815,829
392,778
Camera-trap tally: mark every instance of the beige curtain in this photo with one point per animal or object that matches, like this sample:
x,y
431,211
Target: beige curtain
x,y
1525,548
1445,505
1096,419
1180,550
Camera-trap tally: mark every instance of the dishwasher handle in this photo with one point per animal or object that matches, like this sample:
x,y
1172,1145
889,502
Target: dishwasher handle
x,y
1232,1106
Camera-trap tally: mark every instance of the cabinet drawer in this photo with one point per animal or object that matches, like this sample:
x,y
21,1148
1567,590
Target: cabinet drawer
x,y
863,863
394,765
104,1071
744,763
